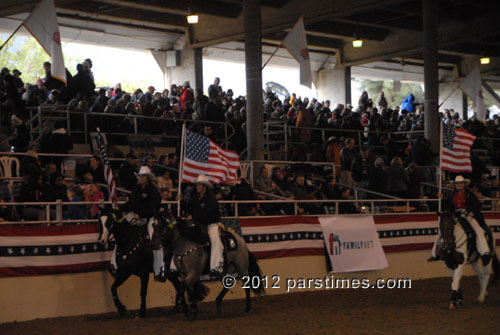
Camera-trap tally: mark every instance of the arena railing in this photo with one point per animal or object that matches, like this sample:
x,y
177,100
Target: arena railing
x,y
374,207
55,209
50,112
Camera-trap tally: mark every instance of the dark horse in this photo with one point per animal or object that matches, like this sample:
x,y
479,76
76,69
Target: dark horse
x,y
134,256
191,254
458,249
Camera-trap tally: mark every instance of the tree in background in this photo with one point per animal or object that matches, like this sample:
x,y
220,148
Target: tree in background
x,y
26,55
395,92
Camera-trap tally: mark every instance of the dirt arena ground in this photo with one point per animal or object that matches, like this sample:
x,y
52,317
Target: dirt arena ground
x,y
419,310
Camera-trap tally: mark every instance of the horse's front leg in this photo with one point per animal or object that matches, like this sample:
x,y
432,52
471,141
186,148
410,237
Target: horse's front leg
x,y
180,301
144,292
120,278
483,273
456,276
218,301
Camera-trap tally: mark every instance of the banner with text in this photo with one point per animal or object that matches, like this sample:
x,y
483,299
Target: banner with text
x,y
353,243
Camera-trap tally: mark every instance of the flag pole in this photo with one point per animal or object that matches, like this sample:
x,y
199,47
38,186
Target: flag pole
x,y
274,53
449,95
440,172
8,39
181,162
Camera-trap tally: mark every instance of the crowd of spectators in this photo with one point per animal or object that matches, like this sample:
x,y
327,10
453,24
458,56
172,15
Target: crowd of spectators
x,y
379,148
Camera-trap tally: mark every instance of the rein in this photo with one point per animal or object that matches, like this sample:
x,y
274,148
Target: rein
x,y
128,252
171,225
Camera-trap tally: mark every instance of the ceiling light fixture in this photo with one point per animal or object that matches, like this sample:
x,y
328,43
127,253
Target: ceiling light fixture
x,y
357,43
192,18
485,60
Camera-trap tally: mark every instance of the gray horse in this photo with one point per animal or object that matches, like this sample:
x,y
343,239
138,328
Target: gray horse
x,y
191,254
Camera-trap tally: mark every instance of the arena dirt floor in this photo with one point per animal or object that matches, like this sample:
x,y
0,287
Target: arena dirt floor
x,y
419,310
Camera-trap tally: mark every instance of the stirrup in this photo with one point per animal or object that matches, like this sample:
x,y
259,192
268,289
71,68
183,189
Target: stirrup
x,y
162,276
112,270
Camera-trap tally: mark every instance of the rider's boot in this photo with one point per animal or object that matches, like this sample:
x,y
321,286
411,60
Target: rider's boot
x,y
486,258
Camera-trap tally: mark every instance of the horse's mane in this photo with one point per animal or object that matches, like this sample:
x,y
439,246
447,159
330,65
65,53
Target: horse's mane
x,y
193,233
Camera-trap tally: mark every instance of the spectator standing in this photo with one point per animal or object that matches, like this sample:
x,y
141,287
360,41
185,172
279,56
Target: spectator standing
x,y
397,181
215,89
127,172
21,138
347,156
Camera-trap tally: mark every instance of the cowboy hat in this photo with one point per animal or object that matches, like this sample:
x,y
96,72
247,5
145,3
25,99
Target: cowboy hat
x,y
202,179
145,171
460,179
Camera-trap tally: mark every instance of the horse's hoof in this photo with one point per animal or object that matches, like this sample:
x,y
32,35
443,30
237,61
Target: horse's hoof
x,y
122,310
142,313
459,303
452,305
191,315
247,310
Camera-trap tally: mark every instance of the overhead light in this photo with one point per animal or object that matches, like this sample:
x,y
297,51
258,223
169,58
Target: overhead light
x,y
485,60
357,43
192,19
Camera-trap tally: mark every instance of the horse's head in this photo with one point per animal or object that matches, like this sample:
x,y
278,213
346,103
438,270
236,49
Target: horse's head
x,y
451,256
162,230
107,220
447,226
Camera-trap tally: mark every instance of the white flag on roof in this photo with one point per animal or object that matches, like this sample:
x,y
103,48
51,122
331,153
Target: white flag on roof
x,y
296,43
42,24
471,86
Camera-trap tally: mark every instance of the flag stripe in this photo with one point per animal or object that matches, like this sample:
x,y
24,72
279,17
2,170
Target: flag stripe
x,y
108,172
203,156
455,149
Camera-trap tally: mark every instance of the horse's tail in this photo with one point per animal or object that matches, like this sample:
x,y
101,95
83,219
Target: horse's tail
x,y
254,270
200,292
496,268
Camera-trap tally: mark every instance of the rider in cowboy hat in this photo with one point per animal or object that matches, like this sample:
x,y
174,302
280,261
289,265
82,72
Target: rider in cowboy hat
x,y
204,210
465,204
143,204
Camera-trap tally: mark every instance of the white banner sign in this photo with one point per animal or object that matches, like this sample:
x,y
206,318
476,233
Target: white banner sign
x,y
352,243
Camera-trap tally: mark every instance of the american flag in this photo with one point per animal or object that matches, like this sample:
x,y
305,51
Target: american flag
x,y
108,172
203,156
455,149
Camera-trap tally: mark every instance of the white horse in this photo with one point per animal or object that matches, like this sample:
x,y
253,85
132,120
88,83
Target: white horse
x,y
457,252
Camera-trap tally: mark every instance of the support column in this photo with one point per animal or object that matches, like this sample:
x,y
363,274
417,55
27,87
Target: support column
x,y
347,85
431,78
198,68
335,85
465,106
253,66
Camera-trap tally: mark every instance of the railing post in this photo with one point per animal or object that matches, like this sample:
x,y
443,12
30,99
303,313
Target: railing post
x,y
135,126
372,207
85,127
251,174
236,209
47,213
225,136
295,207
40,130
68,120
59,212
336,207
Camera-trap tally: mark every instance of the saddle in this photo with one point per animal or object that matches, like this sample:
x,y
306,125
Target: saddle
x,y
471,234
228,240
